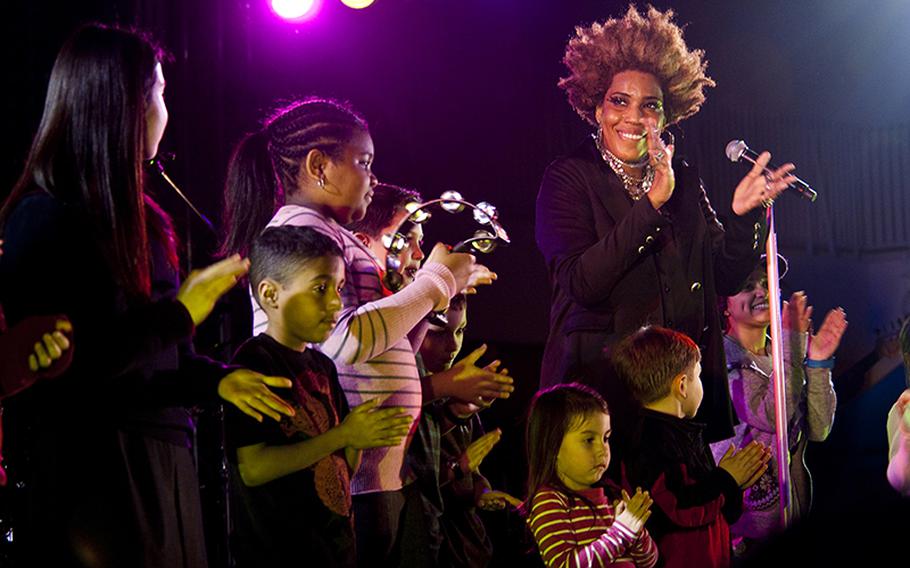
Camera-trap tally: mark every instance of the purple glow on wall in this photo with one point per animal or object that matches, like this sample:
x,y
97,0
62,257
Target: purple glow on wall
x,y
294,10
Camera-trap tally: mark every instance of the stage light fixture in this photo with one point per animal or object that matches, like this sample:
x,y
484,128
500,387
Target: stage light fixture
x,y
357,4
293,9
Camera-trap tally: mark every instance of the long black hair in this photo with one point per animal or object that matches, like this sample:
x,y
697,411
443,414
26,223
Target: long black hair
x,y
265,165
88,150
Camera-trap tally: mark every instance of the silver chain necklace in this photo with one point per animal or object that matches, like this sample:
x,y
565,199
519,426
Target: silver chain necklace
x,y
636,188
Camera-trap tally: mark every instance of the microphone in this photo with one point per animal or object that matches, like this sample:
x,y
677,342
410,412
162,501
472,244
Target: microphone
x,y
156,164
737,149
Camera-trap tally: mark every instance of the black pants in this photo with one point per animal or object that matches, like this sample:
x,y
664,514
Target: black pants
x,y
390,529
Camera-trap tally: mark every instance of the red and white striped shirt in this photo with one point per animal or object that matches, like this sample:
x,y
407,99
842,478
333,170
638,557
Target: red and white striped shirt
x,y
572,534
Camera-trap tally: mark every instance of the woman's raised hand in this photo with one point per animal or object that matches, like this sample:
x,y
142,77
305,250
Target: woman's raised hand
x,y
760,189
203,287
823,344
796,314
661,159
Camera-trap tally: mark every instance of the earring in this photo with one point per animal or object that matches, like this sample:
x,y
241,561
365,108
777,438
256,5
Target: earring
x,y
321,181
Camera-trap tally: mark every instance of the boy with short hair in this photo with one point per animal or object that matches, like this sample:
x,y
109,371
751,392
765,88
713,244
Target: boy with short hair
x,y
695,500
292,479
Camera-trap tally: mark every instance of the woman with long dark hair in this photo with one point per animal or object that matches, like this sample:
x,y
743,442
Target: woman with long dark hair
x,y
101,457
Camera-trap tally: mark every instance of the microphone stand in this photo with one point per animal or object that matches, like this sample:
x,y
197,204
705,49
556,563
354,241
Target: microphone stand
x,y
213,485
737,149
779,383
156,164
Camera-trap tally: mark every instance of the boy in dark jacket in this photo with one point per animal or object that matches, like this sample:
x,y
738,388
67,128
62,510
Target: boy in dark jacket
x,y
695,500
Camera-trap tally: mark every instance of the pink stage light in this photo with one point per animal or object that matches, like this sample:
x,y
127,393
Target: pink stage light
x,y
293,9
357,4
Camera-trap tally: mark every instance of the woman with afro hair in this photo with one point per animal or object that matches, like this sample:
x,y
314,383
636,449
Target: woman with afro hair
x,y
627,233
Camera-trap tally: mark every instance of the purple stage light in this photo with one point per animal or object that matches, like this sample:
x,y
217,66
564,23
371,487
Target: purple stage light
x,y
294,9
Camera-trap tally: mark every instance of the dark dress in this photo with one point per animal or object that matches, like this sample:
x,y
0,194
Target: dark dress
x,y
100,459
304,518
616,265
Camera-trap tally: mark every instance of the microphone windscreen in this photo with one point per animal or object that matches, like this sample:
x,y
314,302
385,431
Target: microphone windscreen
x,y
735,150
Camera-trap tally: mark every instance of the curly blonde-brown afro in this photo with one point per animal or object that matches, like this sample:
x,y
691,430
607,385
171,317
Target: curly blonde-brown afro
x,y
653,44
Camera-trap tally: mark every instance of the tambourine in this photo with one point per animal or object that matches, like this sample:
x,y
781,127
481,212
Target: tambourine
x,y
484,240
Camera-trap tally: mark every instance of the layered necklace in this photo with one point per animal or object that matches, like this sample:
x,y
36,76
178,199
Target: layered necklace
x,y
636,188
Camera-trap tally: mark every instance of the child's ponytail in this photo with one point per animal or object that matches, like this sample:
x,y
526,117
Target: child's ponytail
x,y
252,193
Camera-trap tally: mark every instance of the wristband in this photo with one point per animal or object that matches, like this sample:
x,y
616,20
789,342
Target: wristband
x,y
823,364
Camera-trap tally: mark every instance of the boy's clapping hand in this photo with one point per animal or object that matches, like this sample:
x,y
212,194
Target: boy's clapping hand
x,y
249,391
469,383
471,459
746,465
369,427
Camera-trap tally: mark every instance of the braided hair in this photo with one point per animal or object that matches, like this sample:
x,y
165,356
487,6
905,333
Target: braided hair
x,y
264,168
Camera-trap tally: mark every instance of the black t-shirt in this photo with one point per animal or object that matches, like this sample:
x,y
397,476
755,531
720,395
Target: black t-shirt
x,y
303,518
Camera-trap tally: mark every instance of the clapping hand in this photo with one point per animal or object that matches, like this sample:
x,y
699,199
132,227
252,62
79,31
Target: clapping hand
x,y
249,391
470,383
747,465
367,426
634,511
491,500
760,189
202,288
661,159
823,344
470,460
796,314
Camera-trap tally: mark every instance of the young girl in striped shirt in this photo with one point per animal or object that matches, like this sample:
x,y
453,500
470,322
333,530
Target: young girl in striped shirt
x,y
573,521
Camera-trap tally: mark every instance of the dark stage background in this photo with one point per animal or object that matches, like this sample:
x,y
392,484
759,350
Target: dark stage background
x,y
462,95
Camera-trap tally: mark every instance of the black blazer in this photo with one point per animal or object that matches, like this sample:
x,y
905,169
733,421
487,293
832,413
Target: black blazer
x,y
616,265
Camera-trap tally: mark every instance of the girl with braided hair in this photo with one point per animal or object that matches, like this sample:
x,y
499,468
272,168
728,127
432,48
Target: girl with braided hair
x,y
311,164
